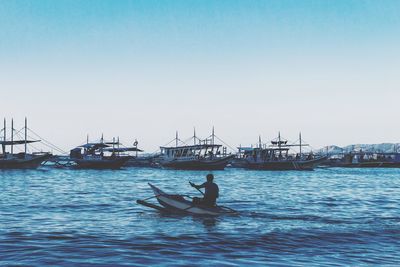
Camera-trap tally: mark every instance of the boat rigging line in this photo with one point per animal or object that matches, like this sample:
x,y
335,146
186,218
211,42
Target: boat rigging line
x,y
48,143
222,141
176,140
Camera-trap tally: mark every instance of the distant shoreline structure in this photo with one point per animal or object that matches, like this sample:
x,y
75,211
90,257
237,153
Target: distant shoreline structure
x,y
378,148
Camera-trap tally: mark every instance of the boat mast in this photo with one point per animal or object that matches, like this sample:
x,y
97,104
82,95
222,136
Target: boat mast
x,y
101,148
12,136
176,139
118,145
5,135
135,144
213,136
259,141
87,138
26,135
279,144
300,143
194,135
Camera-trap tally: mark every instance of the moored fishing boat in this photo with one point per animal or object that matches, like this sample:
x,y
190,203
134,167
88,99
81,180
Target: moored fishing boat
x,y
365,159
94,155
203,155
21,160
140,160
240,158
277,157
180,204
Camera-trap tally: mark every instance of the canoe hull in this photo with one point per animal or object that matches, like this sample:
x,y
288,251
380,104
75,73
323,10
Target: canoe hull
x,y
177,204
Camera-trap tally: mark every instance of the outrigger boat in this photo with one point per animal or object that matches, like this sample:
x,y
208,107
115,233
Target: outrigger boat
x,y
277,157
21,160
93,156
365,159
137,160
180,204
203,155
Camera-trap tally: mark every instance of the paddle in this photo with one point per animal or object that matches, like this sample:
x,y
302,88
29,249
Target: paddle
x,y
192,184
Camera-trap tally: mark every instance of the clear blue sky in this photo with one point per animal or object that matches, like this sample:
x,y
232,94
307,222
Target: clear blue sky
x,y
143,69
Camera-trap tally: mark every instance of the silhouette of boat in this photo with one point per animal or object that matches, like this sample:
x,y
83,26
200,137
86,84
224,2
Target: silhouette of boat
x,y
140,160
277,157
93,155
21,160
204,155
150,161
364,159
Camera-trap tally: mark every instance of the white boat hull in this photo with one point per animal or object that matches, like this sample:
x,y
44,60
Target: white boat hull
x,y
177,203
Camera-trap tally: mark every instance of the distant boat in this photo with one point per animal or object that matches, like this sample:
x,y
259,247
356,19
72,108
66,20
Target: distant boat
x,y
365,159
21,160
204,155
94,155
277,157
240,160
150,161
140,160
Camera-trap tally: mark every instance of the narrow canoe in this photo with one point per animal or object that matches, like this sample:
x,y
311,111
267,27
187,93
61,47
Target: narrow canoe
x,y
179,204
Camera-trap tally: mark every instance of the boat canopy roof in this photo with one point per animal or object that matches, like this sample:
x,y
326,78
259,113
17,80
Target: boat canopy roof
x,y
292,145
279,142
246,149
202,146
112,143
94,145
278,149
17,142
122,149
272,148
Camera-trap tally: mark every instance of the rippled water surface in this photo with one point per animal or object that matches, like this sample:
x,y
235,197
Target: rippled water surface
x,y
328,217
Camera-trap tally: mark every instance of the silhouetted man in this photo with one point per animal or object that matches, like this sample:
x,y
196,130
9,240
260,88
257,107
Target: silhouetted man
x,y
211,192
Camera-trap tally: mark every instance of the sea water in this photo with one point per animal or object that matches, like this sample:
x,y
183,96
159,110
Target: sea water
x,y
326,217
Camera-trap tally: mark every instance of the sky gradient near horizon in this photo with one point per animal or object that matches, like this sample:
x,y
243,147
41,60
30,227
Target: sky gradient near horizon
x,y
144,69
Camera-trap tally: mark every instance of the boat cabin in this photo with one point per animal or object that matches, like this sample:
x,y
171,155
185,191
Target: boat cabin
x,y
101,150
277,150
200,151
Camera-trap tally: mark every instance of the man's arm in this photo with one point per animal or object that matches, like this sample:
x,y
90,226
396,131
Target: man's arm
x,y
198,186
203,185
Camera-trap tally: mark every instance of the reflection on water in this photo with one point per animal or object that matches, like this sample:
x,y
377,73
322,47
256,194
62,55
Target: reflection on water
x,y
209,223
77,217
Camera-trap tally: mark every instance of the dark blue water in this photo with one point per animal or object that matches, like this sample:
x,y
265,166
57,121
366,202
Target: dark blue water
x,y
328,217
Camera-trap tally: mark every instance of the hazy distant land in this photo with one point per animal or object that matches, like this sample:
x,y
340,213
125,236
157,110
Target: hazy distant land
x,y
382,148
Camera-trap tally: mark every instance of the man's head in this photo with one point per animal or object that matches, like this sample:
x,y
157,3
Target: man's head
x,y
210,177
